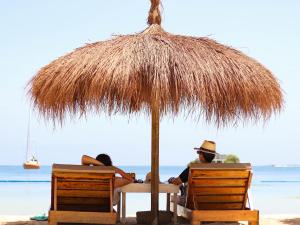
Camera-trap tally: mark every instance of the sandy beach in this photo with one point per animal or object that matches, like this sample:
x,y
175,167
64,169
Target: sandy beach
x,y
277,219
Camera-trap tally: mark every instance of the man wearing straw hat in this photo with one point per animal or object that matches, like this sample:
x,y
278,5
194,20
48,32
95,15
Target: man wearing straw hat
x,y
206,154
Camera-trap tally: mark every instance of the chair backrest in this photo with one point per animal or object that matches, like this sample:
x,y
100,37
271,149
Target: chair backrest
x,y
218,186
82,188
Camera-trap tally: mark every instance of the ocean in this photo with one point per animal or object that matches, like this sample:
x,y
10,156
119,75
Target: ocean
x,y
274,190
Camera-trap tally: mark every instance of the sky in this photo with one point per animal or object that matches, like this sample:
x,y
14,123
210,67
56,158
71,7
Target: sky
x,y
33,33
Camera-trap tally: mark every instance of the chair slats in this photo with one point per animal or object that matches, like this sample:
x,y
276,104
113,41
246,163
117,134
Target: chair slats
x,y
218,186
79,191
85,176
83,208
218,174
209,182
218,190
83,201
83,185
220,198
83,193
221,166
219,206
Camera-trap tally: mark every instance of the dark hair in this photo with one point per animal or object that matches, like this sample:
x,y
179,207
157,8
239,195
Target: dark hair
x,y
208,156
105,159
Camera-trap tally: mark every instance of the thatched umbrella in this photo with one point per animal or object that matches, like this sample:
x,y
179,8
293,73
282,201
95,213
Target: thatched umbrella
x,y
158,73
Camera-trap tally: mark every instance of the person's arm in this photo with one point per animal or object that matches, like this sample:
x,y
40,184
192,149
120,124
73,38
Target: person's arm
x,y
124,179
175,180
87,160
182,178
123,174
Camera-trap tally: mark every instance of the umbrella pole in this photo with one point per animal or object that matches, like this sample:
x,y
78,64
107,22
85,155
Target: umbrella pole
x,y
155,163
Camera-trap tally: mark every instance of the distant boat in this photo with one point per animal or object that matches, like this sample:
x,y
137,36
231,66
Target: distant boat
x,y
279,165
30,163
285,165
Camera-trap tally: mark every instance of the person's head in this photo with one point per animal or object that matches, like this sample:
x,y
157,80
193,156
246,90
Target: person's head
x,y
205,157
207,151
105,159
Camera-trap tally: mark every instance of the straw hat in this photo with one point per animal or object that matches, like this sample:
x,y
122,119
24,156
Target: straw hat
x,y
208,147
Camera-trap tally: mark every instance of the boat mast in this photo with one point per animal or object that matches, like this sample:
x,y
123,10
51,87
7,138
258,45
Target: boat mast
x,y
28,138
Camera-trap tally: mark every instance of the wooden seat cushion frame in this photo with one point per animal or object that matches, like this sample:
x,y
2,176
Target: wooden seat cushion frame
x,y
82,194
219,192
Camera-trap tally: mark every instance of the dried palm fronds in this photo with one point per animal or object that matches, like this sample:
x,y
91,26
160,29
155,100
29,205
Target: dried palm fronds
x,y
125,74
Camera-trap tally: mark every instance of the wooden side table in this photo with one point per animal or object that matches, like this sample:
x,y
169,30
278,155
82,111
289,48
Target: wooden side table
x,y
146,188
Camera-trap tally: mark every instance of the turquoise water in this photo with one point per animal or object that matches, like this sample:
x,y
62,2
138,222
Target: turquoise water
x,y
27,192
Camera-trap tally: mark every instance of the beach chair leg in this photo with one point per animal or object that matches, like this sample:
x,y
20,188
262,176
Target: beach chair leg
x,y
174,208
253,223
168,202
51,219
195,222
52,222
119,208
123,218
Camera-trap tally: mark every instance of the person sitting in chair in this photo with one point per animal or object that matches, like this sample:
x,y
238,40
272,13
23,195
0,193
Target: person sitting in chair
x,y
105,160
206,154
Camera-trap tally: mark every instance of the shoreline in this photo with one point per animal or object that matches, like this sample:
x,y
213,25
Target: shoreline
x,y
268,219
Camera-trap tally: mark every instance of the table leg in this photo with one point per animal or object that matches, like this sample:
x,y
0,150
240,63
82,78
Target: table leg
x,y
119,207
123,221
175,208
168,202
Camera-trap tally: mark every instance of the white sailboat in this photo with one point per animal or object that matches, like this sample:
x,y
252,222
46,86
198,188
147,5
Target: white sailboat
x,y
32,162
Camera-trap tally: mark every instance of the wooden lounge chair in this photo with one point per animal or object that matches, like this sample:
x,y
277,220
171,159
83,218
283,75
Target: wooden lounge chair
x,y
82,194
218,192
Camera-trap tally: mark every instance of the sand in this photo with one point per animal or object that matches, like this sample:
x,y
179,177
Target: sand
x,y
264,220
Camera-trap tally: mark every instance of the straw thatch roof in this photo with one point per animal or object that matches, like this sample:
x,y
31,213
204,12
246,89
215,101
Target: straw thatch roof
x,y
128,73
